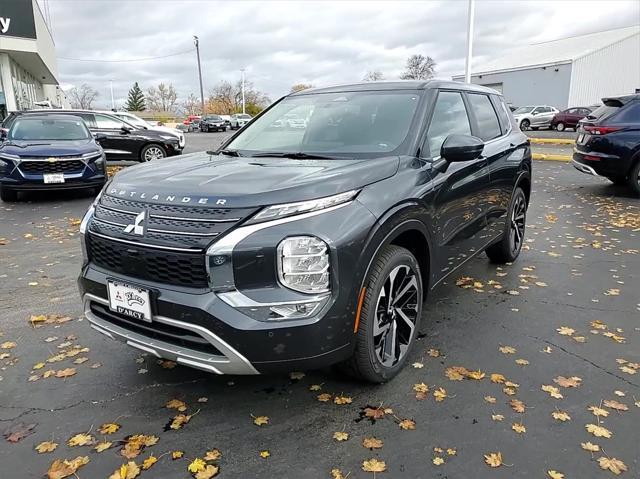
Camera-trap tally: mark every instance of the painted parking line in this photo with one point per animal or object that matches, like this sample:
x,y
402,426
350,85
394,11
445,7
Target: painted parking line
x,y
550,157
552,141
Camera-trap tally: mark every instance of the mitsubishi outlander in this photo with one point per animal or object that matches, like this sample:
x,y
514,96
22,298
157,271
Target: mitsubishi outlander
x,y
298,248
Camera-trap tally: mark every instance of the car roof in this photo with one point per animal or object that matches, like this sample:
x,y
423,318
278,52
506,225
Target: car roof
x,y
37,115
624,99
400,85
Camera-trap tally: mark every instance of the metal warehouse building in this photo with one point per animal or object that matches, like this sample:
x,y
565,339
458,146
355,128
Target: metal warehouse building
x,y
575,71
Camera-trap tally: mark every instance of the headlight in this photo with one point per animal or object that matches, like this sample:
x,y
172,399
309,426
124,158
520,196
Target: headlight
x,y
303,264
9,156
3,165
89,213
290,209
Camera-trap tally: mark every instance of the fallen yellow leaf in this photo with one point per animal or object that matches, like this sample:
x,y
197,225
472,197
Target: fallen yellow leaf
x,y
371,443
80,440
493,459
598,431
374,465
612,464
46,446
196,465
261,420
340,435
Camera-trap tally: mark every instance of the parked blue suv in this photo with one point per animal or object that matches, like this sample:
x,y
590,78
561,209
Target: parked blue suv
x,y
47,152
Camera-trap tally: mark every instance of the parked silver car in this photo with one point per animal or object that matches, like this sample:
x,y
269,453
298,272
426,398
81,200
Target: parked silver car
x,y
534,117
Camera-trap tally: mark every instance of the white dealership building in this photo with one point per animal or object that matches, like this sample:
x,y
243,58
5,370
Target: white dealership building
x,y
575,71
28,66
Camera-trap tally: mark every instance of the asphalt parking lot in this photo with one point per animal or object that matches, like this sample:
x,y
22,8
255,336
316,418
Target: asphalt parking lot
x,y
559,329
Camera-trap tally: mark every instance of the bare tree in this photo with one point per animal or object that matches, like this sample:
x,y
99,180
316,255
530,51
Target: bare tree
x,y
226,98
301,86
191,105
162,98
419,67
82,97
373,75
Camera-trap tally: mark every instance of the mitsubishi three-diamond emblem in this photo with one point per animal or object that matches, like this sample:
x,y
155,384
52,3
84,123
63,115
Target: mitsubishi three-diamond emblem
x,y
137,227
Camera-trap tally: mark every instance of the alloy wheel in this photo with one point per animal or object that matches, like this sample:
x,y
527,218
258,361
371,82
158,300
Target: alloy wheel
x,y
153,153
518,220
396,315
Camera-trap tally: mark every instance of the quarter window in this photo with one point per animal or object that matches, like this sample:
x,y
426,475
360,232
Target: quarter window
x,y
502,113
488,125
630,114
449,117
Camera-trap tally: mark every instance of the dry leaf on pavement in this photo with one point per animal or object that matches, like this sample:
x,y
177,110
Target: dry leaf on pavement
x,y
208,472
612,464
340,435
374,465
372,443
598,431
493,459
60,469
46,446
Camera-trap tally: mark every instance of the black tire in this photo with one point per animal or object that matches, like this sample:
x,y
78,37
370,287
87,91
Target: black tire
x,y
634,178
145,152
508,248
224,129
366,363
560,126
8,196
535,128
524,124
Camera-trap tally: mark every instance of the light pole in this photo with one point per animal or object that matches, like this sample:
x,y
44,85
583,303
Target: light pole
x,y
467,67
197,43
242,71
113,104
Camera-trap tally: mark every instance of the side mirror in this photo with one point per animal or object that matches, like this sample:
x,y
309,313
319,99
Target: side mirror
x,y
100,137
3,134
126,129
461,148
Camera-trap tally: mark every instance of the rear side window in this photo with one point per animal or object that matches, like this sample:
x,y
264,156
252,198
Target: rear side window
x,y
488,125
107,122
628,114
602,112
88,118
502,113
449,117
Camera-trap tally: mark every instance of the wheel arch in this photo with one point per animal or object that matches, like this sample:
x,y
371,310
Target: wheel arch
x,y
401,227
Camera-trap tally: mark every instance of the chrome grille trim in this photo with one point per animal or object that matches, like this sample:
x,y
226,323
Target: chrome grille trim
x,y
147,245
182,233
203,220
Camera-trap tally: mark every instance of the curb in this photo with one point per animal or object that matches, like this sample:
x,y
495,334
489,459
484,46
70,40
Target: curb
x,y
550,157
552,141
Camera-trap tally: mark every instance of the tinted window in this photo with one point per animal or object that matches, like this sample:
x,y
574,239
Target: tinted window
x,y
488,126
449,117
602,112
107,122
502,113
628,114
88,119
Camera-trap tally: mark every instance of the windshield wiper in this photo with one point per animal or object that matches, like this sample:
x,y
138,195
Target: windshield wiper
x,y
296,156
226,152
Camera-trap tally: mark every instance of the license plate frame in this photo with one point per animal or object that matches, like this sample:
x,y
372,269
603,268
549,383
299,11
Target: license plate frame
x,y
53,178
129,299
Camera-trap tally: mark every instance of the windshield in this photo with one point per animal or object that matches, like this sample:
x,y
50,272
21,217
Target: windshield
x,y
48,129
347,122
244,117
212,118
523,109
134,120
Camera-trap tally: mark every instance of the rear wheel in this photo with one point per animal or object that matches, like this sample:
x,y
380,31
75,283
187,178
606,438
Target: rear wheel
x,y
509,247
389,317
634,178
152,152
8,196
560,126
524,124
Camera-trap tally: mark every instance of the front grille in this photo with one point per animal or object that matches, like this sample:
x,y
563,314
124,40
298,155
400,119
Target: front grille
x,y
61,166
165,225
157,330
162,266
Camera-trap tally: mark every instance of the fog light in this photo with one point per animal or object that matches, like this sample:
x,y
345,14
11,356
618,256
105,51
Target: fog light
x,y
303,264
293,311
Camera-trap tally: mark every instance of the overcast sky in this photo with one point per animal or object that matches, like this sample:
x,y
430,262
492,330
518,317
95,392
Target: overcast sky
x,y
283,43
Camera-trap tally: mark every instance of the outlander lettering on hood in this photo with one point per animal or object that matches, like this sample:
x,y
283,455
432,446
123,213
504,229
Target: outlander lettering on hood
x,y
164,198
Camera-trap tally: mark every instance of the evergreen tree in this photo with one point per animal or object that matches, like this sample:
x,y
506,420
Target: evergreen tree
x,y
135,99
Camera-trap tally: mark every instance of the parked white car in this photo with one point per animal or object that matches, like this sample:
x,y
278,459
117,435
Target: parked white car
x,y
139,122
239,120
534,117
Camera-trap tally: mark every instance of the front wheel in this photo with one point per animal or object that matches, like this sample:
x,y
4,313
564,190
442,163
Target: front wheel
x,y
389,317
524,124
152,152
560,126
509,247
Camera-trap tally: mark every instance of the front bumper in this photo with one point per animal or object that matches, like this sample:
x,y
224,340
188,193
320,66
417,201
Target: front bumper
x,y
237,342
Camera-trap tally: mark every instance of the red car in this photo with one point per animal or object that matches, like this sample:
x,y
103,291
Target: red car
x,y
569,118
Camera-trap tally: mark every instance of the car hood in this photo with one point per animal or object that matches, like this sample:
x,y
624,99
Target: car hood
x,y
165,129
238,182
46,148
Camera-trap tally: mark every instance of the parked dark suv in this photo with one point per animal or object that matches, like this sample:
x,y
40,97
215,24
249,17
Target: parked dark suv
x,y
213,123
608,141
119,139
297,248
49,152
